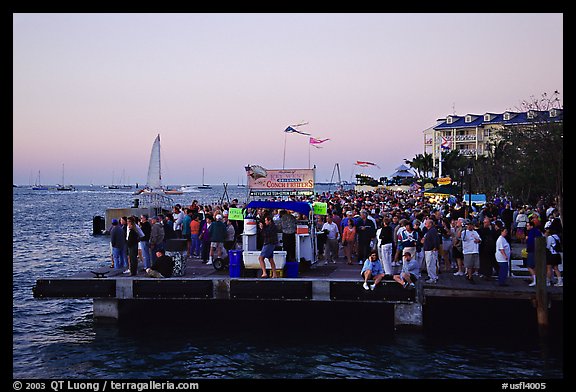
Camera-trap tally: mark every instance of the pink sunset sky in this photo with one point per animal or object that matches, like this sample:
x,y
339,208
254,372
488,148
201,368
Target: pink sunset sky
x,y
92,91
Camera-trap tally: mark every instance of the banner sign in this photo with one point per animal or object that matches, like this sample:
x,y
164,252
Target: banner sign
x,y
235,214
285,182
444,181
320,208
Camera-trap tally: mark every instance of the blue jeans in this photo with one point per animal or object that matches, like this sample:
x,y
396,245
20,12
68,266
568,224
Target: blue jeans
x,y
502,272
118,260
124,256
195,245
145,253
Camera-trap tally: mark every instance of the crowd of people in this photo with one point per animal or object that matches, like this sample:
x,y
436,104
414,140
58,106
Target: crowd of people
x,y
407,234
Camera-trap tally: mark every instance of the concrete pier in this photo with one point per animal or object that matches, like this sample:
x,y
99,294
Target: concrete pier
x,y
325,289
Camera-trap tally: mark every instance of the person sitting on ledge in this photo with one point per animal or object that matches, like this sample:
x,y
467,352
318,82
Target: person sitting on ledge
x,y
372,269
162,267
410,271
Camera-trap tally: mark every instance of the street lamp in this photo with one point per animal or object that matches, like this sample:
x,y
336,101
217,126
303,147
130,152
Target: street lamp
x,y
469,170
462,172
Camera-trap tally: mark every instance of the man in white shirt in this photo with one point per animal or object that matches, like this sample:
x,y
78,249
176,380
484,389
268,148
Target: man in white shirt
x,y
178,215
502,256
471,249
332,236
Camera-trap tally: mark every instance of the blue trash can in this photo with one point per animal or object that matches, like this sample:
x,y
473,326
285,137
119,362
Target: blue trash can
x,y
235,262
292,269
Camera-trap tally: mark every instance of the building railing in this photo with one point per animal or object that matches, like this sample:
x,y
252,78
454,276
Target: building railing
x,y
460,138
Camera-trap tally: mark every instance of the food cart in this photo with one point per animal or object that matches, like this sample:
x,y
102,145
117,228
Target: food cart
x,y
305,233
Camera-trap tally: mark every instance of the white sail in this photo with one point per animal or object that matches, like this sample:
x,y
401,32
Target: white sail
x,y
154,172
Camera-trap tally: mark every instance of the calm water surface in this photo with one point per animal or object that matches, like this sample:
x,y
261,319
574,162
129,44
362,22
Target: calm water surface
x,y
58,338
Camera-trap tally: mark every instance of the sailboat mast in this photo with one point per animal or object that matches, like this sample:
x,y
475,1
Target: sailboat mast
x,y
159,161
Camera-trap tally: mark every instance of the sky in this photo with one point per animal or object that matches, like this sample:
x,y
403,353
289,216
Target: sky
x,y
92,91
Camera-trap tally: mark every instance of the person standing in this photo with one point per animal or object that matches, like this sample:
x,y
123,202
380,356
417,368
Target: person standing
x,y
386,243
205,237
118,242
168,225
431,243
332,237
507,216
397,247
349,239
521,222
502,256
156,237
186,231
470,249
553,257
446,235
457,246
288,225
320,236
366,232
532,233
195,236
132,240
217,237
407,239
178,220
230,240
488,263
269,241
144,244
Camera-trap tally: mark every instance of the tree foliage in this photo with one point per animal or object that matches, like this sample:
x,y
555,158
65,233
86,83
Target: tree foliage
x,y
527,162
524,162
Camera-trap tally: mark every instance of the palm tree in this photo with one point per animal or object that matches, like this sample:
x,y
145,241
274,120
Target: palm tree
x,y
422,163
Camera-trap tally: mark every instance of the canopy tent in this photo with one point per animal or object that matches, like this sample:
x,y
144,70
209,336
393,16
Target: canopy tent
x,y
442,191
477,198
402,174
402,171
302,207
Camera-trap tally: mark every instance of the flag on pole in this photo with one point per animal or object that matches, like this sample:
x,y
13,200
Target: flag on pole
x,y
366,164
293,130
446,144
315,142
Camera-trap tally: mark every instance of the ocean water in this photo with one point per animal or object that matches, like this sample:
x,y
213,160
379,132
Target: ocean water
x,y
58,339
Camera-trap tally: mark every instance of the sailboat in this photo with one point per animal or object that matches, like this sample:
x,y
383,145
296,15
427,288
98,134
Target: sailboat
x,y
113,186
204,186
241,185
38,186
154,182
63,187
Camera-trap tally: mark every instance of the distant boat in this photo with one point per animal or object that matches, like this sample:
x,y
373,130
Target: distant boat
x,y
38,186
188,188
112,186
62,187
173,192
204,186
241,185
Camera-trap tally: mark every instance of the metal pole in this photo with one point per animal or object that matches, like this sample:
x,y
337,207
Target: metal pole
x,y
541,293
284,158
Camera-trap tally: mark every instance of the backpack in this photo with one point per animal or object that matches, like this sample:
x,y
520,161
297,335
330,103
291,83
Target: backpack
x,y
557,244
